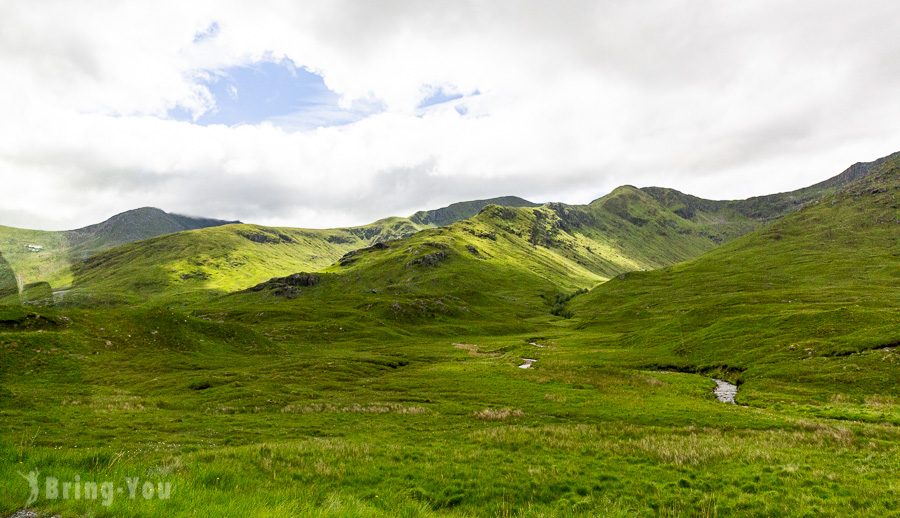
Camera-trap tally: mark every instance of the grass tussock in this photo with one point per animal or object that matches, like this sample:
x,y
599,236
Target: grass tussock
x,y
498,414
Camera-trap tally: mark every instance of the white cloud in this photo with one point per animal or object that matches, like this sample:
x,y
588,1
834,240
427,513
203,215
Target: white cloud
x,y
720,99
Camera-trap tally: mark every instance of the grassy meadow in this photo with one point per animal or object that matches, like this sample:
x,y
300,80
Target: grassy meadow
x,y
388,382
242,424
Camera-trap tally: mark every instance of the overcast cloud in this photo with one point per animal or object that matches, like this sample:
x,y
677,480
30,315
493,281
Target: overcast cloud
x,y
561,101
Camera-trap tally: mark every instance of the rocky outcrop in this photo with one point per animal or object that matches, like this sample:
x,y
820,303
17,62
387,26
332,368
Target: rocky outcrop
x,y
288,287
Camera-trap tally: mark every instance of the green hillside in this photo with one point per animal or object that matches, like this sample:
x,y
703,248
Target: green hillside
x,y
557,245
628,229
505,264
222,259
37,255
130,226
569,246
49,256
786,303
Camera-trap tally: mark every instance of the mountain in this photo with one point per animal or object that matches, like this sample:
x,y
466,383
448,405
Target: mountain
x,y
464,210
765,208
134,225
778,305
564,247
513,264
48,256
37,255
570,246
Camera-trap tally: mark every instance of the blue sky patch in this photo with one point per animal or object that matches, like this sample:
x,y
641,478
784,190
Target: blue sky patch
x,y
210,32
279,92
439,96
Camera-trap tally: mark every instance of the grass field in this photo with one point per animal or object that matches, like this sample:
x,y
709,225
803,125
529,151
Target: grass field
x,y
389,384
241,424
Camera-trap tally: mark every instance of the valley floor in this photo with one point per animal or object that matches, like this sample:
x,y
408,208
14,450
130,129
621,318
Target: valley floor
x,y
241,424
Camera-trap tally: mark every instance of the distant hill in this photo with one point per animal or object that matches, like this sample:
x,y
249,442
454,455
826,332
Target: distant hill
x,y
464,210
134,225
37,255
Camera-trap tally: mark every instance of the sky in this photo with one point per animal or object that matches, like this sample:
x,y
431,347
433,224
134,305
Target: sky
x,y
337,113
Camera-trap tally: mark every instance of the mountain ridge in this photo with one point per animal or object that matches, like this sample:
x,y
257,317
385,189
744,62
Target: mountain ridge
x,y
573,246
634,228
465,209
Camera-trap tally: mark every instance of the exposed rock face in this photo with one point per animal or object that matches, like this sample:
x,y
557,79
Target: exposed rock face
x,y
432,259
288,287
352,256
338,239
267,237
195,275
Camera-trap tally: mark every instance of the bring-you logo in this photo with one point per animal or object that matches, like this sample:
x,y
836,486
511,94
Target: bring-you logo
x,y
105,492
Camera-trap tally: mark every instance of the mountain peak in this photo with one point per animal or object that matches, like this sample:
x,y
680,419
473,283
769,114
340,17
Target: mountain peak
x,y
465,209
134,225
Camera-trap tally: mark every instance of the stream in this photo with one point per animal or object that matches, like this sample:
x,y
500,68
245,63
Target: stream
x,y
724,391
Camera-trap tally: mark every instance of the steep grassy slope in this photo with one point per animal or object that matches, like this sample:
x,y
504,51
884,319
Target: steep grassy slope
x,y
783,302
481,273
628,229
498,271
37,255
